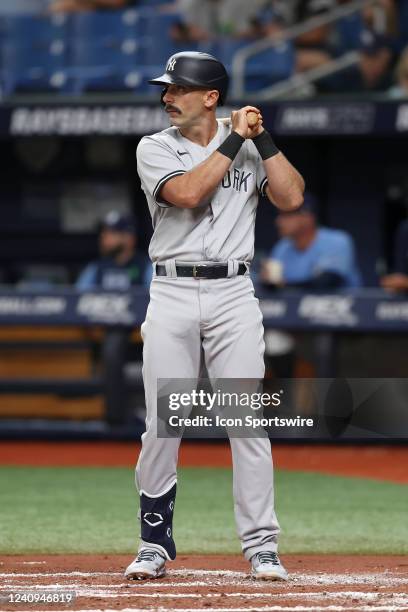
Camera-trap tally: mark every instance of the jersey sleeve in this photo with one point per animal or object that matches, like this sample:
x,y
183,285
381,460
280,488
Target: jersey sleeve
x,y
156,164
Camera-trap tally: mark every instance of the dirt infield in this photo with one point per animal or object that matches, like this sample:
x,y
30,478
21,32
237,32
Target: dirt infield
x,y
317,583
377,462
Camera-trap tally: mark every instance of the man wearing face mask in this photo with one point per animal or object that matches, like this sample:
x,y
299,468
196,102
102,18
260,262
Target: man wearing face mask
x,y
120,266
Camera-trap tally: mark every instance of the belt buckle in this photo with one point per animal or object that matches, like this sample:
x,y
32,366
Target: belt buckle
x,y
196,272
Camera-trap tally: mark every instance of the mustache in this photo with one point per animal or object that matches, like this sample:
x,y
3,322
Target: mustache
x,y
169,107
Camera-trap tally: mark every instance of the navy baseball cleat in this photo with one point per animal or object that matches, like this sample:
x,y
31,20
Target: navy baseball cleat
x,y
267,566
149,563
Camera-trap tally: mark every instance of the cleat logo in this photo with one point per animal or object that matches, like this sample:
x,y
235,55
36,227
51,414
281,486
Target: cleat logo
x,y
168,532
154,519
171,505
171,65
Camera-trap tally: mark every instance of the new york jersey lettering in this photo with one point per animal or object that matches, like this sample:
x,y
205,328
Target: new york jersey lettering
x,y
237,179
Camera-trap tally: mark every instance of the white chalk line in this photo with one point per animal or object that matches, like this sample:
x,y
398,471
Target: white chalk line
x,y
135,584
180,572
369,608
396,600
233,578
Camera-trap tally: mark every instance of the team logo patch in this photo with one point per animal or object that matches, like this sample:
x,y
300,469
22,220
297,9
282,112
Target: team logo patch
x,y
171,65
153,518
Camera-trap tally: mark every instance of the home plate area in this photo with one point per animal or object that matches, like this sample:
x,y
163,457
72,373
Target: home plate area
x,y
317,583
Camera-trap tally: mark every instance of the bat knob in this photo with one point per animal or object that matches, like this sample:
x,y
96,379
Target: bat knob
x,y
252,118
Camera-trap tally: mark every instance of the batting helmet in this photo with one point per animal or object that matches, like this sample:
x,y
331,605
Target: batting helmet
x,y
195,69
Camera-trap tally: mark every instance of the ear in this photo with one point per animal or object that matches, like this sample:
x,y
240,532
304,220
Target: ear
x,y
211,98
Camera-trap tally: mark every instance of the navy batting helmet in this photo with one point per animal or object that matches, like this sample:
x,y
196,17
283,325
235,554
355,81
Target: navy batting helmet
x,y
195,69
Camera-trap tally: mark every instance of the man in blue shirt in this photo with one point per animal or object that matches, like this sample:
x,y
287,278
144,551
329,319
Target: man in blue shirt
x,y
308,256
120,266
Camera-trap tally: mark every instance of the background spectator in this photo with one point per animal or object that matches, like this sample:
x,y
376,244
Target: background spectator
x,y
120,266
308,256
203,20
376,56
313,48
381,17
378,41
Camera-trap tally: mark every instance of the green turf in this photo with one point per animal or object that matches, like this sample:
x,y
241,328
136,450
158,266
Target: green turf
x,y
94,510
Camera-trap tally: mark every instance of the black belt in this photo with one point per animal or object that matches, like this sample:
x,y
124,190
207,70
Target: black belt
x,y
202,270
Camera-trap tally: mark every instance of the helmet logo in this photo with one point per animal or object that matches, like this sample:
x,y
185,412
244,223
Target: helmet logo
x,y
171,65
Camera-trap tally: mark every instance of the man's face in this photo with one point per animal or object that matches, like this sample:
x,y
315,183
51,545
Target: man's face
x,y
185,105
292,224
112,242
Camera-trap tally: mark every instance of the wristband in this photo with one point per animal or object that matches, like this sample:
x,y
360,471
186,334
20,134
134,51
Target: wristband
x,y
265,145
231,145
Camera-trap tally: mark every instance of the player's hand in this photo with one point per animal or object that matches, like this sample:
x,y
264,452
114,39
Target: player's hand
x,y
239,122
257,129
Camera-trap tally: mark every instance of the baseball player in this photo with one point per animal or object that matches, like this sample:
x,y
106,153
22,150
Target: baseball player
x,y
202,180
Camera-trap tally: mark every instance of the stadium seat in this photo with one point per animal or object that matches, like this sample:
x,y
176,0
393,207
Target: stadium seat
x,y
106,66
156,30
24,29
34,68
263,69
99,26
33,53
107,51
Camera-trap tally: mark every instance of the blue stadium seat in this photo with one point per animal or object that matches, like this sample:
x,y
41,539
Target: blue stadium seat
x,y
156,32
26,68
33,53
106,66
109,25
107,51
263,69
26,28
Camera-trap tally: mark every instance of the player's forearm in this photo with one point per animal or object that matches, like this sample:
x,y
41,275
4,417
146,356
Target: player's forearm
x,y
285,184
194,187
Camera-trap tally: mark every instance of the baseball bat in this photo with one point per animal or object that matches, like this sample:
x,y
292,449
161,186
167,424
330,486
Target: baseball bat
x,y
252,117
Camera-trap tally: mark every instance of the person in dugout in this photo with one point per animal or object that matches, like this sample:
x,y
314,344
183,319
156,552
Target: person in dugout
x,y
120,266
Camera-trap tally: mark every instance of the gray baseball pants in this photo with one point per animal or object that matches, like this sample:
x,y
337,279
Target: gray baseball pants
x,y
221,319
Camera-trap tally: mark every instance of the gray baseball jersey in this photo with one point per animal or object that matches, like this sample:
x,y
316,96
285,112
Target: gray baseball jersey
x,y
218,230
